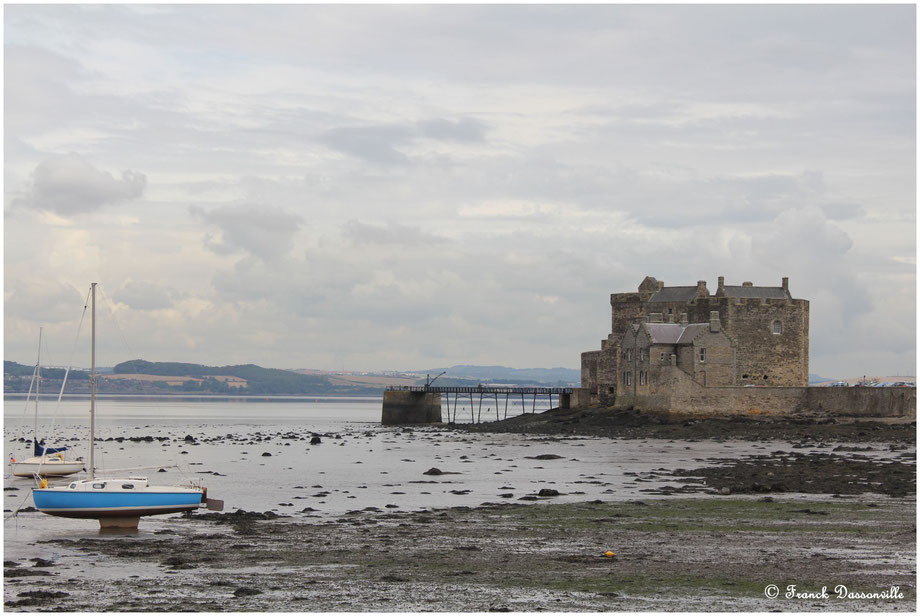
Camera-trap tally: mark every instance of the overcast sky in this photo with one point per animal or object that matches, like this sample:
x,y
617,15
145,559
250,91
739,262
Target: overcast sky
x,y
406,187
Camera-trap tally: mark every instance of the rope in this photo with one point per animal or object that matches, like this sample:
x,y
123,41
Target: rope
x,y
109,304
18,507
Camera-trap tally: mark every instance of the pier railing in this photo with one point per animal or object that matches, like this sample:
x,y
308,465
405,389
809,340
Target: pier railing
x,y
489,393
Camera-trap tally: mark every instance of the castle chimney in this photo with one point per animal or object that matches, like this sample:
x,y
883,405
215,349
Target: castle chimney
x,y
683,319
786,284
747,284
701,290
660,285
721,283
714,324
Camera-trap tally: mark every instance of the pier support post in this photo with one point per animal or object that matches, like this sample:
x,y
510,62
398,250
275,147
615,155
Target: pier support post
x,y
410,407
565,401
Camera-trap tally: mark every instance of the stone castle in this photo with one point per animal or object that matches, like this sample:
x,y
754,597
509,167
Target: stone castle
x,y
667,339
741,351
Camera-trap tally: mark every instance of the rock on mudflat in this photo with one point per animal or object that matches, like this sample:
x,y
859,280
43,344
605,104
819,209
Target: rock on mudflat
x,y
433,471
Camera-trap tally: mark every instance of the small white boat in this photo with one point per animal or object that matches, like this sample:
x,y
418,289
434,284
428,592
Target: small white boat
x,y
116,502
45,461
48,465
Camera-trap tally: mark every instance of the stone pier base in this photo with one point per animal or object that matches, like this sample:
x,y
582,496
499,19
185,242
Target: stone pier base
x,y
410,407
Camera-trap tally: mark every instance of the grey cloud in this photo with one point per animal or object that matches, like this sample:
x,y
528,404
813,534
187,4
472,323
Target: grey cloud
x,y
263,231
372,143
145,295
393,233
43,302
69,185
464,129
842,211
380,143
804,236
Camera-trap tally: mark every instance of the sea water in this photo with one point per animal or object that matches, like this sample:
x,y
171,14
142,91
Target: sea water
x,y
256,455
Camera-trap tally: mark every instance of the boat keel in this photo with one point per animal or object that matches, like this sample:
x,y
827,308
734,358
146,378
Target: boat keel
x,y
116,522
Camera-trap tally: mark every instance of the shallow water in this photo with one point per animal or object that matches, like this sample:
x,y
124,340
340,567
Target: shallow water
x,y
358,464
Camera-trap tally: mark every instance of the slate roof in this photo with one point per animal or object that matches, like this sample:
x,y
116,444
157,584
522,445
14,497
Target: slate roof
x,y
674,333
665,333
691,331
756,292
674,294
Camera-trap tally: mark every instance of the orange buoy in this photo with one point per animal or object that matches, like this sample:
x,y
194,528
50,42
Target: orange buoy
x,y
609,554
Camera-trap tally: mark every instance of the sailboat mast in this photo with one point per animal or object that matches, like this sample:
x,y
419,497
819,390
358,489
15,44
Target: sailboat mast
x,y
38,385
92,392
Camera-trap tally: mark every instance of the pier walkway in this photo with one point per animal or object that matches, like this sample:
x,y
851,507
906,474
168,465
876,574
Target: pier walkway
x,y
490,393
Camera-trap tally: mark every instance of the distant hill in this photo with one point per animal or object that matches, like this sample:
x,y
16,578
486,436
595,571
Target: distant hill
x,y
503,374
814,379
144,377
249,378
17,378
14,369
139,376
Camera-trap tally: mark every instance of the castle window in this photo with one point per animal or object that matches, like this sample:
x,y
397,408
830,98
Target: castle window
x,y
643,378
663,356
777,327
628,354
702,355
641,354
627,378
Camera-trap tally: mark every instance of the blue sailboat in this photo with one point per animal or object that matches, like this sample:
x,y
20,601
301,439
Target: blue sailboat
x,y
117,502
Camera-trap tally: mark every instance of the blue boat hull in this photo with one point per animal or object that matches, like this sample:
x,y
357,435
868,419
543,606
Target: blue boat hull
x,y
96,505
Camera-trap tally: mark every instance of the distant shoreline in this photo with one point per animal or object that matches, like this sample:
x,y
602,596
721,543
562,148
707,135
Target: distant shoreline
x,y
208,397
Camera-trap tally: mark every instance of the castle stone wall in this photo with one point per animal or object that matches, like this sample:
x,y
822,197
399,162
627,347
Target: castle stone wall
x,y
863,401
678,393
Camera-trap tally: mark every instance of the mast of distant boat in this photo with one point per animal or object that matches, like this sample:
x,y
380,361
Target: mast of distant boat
x,y
38,387
92,391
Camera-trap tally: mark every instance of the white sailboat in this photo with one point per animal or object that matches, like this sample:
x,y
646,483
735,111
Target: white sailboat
x,y
45,461
117,502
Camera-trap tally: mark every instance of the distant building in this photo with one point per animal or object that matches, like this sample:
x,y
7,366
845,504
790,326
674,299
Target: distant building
x,y
661,336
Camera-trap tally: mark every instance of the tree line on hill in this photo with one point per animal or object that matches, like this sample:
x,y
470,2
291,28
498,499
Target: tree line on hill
x,y
256,380
197,379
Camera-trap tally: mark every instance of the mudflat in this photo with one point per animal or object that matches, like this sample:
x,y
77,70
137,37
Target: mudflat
x,y
699,554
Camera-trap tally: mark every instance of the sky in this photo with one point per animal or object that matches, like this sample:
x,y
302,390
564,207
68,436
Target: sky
x,y
406,187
